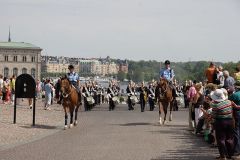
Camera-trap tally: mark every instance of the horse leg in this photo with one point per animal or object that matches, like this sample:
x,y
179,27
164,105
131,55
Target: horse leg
x,y
160,110
171,107
71,118
76,114
165,106
66,118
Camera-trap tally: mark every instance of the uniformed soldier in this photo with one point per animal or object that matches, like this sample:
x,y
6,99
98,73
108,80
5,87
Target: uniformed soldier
x,y
86,94
73,77
130,93
168,74
111,94
142,91
151,96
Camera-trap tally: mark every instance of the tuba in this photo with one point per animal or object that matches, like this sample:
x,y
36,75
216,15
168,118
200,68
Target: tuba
x,y
145,95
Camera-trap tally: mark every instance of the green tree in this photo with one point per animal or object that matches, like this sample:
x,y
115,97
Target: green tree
x,y
121,76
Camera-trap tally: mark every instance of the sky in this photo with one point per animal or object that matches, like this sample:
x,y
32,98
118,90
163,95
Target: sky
x,y
178,30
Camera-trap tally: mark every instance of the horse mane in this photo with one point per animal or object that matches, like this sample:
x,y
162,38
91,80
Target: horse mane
x,y
65,78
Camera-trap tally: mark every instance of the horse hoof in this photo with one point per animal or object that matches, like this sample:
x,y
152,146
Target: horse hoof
x,y
163,122
170,118
71,126
160,121
65,127
75,123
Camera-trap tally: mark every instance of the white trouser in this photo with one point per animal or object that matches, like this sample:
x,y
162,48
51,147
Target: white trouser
x,y
198,114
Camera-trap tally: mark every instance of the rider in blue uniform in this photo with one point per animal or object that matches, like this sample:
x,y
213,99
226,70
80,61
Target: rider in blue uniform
x,y
73,77
168,74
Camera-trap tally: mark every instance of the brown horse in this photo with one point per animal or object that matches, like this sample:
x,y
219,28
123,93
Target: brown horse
x,y
71,101
164,98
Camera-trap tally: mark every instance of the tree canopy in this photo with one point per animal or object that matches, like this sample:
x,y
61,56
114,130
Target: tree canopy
x,y
194,70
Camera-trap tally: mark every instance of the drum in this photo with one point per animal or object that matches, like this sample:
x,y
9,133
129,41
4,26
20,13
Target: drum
x,y
134,99
90,100
116,100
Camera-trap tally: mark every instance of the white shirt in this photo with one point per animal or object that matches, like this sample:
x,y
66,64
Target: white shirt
x,y
1,84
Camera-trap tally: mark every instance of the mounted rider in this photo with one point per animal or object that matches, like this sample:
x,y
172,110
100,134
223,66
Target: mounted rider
x,y
73,77
168,74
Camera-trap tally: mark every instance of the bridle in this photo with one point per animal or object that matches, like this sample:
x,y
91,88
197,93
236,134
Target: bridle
x,y
66,95
161,88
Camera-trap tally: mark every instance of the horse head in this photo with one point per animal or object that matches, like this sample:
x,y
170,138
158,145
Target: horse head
x,y
163,84
65,87
164,89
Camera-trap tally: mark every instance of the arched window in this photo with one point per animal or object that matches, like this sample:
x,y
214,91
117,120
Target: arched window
x,y
33,58
6,72
33,72
15,72
24,58
24,70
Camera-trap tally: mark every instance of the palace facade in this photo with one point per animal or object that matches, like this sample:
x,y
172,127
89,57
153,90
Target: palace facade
x,y
19,57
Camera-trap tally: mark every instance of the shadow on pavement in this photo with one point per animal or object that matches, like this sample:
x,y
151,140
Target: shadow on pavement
x,y
40,127
194,148
136,124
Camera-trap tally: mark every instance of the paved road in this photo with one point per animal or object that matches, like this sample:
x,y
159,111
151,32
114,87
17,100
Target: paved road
x,y
117,135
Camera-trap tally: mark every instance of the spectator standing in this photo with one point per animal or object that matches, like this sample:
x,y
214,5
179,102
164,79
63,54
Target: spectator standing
x,y
222,113
198,100
1,86
235,97
48,96
209,73
6,90
12,88
237,73
186,88
57,91
229,81
218,77
191,93
38,89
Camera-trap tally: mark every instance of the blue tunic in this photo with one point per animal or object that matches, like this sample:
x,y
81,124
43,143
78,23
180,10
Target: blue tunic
x,y
73,77
167,73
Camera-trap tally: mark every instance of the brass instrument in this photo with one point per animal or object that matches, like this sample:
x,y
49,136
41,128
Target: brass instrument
x,y
145,95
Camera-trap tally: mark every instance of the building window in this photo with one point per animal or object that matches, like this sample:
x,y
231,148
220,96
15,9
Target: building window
x,y
15,58
33,72
24,70
24,58
6,58
15,72
33,59
6,72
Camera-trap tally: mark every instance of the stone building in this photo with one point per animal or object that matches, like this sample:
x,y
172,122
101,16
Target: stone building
x,y
123,66
53,64
20,57
90,66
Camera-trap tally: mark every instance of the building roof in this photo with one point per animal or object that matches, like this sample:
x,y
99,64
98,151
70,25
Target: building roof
x,y
18,45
